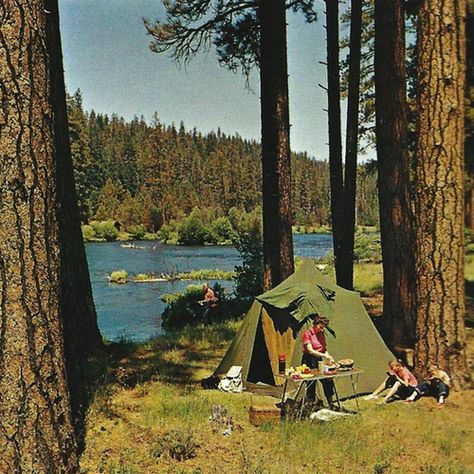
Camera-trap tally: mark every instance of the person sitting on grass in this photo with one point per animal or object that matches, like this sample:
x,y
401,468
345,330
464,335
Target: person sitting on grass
x,y
209,302
399,380
437,385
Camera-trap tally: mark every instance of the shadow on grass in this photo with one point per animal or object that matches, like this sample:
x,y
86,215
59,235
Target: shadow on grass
x,y
176,357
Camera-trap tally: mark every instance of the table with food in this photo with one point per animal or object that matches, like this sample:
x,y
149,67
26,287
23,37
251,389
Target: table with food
x,y
326,370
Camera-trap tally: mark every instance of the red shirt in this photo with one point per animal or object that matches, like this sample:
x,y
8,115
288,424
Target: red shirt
x,y
405,375
316,338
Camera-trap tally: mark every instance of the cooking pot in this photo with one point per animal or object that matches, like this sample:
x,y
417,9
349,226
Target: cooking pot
x,y
346,363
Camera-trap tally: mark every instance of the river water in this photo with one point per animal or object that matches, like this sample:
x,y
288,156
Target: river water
x,y
132,311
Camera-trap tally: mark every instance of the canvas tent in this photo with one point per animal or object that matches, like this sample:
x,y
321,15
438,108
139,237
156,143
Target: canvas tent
x,y
277,318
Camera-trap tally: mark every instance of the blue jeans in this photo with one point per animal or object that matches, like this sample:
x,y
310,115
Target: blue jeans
x,y
433,388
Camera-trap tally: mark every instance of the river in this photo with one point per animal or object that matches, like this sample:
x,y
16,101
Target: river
x,y
132,311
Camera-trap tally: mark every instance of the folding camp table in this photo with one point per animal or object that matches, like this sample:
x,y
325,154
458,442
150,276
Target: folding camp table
x,y
307,381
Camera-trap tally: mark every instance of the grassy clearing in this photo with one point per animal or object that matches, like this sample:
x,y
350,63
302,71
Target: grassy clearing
x,y
368,278
153,417
150,415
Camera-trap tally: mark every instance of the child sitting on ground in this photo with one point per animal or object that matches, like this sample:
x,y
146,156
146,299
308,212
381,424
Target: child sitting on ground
x,y
399,379
437,385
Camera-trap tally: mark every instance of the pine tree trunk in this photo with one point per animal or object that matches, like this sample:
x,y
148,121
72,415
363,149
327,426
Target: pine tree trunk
x,y
334,129
393,174
345,278
439,196
469,119
36,433
471,206
81,333
276,166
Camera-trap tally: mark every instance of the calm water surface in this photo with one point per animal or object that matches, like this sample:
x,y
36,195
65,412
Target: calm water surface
x,y
133,310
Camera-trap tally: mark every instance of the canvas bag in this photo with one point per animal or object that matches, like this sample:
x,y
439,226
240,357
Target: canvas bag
x,y
232,381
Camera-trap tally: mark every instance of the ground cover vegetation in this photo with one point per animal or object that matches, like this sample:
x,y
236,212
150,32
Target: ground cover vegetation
x,y
149,401
154,175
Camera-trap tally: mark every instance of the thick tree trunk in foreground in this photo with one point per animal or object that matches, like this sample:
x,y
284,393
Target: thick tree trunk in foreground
x,y
393,174
277,217
469,119
345,278
334,129
36,433
439,194
81,333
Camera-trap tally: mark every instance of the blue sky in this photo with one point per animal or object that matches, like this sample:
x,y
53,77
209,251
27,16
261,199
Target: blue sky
x,y
106,55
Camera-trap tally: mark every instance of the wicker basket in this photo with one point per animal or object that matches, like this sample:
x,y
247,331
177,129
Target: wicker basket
x,y
261,414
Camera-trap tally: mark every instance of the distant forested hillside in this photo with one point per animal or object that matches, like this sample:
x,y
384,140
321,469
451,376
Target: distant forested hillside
x,y
151,174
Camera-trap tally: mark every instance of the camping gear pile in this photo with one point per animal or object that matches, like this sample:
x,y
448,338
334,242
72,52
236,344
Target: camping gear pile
x,y
276,320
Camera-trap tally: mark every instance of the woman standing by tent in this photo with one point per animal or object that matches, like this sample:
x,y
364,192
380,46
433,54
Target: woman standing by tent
x,y
314,350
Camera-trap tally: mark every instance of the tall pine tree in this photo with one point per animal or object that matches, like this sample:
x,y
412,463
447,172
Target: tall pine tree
x,y
439,194
36,431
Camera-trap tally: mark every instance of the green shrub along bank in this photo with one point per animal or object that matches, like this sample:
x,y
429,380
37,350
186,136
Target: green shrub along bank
x,y
110,231
202,227
199,227
183,308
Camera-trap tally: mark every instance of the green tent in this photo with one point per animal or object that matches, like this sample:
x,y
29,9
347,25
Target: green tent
x,y
276,320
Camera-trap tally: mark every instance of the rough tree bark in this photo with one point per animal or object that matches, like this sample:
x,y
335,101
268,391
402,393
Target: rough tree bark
x,y
469,119
345,278
276,166
334,129
439,196
81,333
393,174
36,433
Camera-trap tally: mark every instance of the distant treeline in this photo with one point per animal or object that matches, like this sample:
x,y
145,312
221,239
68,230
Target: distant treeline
x,y
152,174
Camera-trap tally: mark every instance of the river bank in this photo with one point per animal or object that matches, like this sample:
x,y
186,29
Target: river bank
x,y
133,311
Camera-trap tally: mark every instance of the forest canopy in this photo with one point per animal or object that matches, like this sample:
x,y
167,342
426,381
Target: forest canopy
x,y
151,173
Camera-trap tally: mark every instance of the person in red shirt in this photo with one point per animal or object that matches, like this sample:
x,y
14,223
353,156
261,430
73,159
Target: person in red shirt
x,y
314,351
399,380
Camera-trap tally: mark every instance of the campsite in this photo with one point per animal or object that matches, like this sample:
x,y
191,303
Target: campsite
x,y
236,236
152,415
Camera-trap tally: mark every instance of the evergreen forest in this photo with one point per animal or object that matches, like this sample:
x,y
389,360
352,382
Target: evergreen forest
x,y
150,174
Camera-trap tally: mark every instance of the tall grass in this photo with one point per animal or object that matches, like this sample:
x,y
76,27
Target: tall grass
x,y
161,424
206,275
469,267
368,278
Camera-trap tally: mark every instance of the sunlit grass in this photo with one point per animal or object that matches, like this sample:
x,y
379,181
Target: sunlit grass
x,y
206,275
394,438
127,422
469,267
368,278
